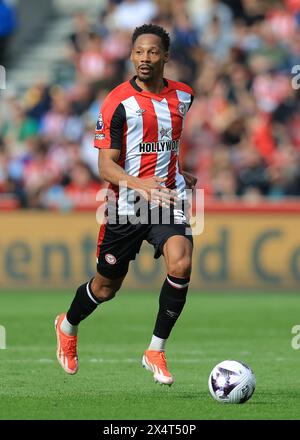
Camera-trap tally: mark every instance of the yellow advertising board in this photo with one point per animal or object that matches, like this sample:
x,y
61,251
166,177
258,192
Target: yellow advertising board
x,y
235,250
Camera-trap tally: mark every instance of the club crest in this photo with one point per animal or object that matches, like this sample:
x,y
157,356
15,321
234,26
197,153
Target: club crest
x,y
111,259
182,108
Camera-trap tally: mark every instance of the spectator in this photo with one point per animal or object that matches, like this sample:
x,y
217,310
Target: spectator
x,y
242,136
92,63
213,10
217,40
82,30
83,188
17,129
60,122
131,13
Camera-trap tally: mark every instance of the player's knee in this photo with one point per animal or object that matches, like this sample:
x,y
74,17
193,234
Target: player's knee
x,y
105,293
105,289
180,267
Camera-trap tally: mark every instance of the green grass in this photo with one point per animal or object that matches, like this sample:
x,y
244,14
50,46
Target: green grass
x,y
110,384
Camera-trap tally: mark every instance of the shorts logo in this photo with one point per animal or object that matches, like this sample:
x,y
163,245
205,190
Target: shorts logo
x,y
179,217
182,108
100,123
110,259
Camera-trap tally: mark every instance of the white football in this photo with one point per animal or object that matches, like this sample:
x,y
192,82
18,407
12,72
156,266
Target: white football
x,y
231,382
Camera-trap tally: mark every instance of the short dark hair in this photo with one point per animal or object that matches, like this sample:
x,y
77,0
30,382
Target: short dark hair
x,y
152,29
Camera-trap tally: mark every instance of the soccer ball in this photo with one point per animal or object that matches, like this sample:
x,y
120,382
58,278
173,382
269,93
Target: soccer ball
x,y
231,382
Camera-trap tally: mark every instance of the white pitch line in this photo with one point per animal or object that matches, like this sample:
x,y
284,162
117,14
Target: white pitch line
x,y
91,347
117,361
97,360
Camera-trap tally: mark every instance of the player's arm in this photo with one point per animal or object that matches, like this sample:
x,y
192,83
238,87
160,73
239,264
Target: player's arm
x,y
110,170
149,188
190,179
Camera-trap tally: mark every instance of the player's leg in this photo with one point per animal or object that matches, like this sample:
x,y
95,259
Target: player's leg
x,y
177,252
87,298
117,245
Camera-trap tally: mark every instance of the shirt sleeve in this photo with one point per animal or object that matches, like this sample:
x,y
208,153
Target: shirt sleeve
x,y
110,127
190,105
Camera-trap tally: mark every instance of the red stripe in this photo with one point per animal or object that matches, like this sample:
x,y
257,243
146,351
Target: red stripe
x,y
150,134
177,124
100,237
121,161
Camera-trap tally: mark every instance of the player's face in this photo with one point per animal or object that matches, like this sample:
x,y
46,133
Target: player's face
x,y
149,57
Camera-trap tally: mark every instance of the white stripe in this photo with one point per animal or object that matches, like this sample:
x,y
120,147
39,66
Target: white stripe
x,y
65,361
90,295
164,121
133,156
178,286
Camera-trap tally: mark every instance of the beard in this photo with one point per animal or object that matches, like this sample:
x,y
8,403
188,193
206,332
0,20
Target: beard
x,y
145,77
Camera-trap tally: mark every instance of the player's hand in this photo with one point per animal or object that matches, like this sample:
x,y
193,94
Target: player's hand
x,y
153,190
190,180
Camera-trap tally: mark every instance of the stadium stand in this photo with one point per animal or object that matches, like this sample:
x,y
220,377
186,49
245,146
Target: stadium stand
x,y
242,136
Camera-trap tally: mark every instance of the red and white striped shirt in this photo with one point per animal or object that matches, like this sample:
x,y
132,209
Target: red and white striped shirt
x,y
146,128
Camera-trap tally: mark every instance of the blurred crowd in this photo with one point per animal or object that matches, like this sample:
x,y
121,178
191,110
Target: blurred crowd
x,y
242,134
8,24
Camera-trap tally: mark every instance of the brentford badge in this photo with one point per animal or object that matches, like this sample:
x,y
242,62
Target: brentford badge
x,y
182,108
111,259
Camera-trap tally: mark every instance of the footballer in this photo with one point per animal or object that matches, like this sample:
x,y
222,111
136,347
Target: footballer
x,y
138,136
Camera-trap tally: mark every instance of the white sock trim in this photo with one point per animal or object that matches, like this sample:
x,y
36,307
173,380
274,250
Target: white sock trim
x,y
177,286
90,295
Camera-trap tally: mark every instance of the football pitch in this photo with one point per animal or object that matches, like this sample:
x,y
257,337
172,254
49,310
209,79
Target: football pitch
x,y
255,328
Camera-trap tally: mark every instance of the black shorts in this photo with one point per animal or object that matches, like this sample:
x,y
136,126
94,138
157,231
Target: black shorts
x,y
118,244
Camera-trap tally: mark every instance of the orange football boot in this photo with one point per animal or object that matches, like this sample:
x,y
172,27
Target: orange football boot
x,y
66,348
155,361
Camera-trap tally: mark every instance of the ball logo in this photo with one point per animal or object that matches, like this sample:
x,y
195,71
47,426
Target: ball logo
x,y
182,108
111,259
100,123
